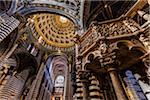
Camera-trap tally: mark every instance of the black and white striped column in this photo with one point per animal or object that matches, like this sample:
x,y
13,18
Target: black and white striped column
x,y
7,25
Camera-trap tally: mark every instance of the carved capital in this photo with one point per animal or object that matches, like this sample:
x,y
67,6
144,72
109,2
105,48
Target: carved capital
x,y
104,56
108,59
111,69
144,38
108,56
84,76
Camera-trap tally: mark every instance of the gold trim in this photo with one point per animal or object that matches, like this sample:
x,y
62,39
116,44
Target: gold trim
x,y
51,42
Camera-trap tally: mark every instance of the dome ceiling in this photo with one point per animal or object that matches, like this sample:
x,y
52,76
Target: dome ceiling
x,y
52,31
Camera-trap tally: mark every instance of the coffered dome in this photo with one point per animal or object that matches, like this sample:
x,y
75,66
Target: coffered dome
x,y
52,31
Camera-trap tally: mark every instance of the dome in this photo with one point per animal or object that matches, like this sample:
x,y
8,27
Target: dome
x,y
52,30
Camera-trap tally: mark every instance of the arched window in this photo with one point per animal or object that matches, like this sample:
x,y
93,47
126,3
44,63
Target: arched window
x,y
59,81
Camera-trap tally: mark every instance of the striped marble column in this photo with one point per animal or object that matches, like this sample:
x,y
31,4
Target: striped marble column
x,y
7,25
12,89
94,89
33,93
79,91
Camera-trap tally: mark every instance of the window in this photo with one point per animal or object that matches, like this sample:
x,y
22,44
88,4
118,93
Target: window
x,y
57,98
59,82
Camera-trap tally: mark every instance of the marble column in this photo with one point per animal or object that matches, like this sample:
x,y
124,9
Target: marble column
x,y
85,91
117,84
84,76
22,77
66,87
41,92
45,93
11,51
13,88
45,86
4,57
68,84
70,97
33,93
38,83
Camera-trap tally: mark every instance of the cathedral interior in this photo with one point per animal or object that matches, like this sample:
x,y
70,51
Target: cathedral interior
x,y
74,50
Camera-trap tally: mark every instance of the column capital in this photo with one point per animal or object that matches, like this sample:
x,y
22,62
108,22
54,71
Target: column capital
x,y
84,75
111,69
108,59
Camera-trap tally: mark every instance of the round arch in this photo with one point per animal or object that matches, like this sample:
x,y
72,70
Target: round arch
x,y
24,61
35,9
130,45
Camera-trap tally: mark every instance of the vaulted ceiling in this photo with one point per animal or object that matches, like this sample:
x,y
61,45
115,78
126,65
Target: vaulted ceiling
x,y
4,5
102,10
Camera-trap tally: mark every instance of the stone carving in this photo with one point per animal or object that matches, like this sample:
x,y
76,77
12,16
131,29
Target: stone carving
x,y
104,55
145,40
107,30
107,59
7,25
84,75
103,48
133,26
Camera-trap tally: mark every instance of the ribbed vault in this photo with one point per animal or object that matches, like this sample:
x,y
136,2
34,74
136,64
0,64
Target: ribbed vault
x,y
59,66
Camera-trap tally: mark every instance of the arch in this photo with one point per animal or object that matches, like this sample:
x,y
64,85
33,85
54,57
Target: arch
x,y
131,46
91,57
59,63
13,7
54,63
25,61
59,81
57,54
138,48
126,43
49,59
35,9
